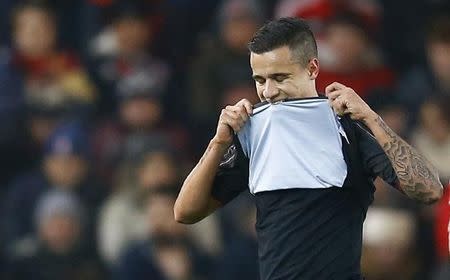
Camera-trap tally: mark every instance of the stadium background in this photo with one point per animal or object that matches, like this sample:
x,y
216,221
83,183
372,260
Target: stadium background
x,y
105,105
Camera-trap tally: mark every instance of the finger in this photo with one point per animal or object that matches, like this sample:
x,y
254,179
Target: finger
x,y
232,112
226,116
339,105
242,111
239,118
334,86
335,94
237,112
228,121
234,120
247,105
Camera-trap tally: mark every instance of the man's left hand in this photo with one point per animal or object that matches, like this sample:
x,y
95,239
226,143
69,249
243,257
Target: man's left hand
x,y
345,100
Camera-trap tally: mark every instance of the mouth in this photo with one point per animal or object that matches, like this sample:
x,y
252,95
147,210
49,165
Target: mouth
x,y
276,101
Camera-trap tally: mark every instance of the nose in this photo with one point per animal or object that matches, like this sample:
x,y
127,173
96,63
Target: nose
x,y
270,91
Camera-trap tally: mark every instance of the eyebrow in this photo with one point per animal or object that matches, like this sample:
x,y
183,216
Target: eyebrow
x,y
271,76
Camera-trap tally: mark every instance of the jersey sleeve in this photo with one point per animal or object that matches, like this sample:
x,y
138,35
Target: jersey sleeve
x,y
375,161
232,176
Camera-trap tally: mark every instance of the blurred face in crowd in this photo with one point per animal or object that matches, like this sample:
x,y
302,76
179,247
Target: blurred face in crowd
x,y
174,261
41,128
132,35
347,44
157,169
34,33
60,233
140,113
65,170
433,121
395,118
160,216
236,32
439,57
278,75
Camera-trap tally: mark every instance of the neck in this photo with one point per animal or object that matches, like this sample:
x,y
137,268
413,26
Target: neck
x,y
310,91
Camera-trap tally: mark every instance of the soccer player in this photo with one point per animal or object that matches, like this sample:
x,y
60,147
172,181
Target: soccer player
x,y
304,231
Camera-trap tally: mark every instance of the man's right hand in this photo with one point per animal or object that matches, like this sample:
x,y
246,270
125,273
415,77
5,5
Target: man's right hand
x,y
231,120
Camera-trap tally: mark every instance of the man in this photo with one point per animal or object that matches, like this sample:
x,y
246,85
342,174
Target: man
x,y
57,249
304,233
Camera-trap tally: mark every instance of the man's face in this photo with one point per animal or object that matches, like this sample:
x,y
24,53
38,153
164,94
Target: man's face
x,y
140,113
348,44
236,33
132,36
34,33
157,169
65,171
60,233
277,76
439,57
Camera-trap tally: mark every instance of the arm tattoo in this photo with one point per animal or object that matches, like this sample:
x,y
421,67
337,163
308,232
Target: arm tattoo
x,y
417,177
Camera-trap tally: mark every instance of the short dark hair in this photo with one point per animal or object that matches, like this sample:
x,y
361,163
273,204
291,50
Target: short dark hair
x,y
292,32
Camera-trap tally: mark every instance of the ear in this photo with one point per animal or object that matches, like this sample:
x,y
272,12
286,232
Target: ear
x,y
313,68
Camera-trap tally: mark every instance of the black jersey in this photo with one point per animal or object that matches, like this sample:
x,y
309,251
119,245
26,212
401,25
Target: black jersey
x,y
311,233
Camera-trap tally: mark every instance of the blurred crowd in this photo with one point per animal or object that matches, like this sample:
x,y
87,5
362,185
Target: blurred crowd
x,y
105,105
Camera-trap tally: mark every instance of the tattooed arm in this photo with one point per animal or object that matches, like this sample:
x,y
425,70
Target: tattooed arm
x,y
418,179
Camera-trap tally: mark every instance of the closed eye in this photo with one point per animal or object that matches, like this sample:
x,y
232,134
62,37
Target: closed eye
x,y
280,77
260,80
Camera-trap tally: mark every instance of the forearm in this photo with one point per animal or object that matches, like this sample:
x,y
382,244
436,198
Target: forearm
x,y
194,201
418,179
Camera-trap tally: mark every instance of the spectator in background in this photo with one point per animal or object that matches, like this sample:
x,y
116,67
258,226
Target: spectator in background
x,y
166,253
432,138
139,112
57,250
29,70
432,135
222,62
389,252
391,110
45,111
349,55
148,164
43,66
422,83
123,48
65,166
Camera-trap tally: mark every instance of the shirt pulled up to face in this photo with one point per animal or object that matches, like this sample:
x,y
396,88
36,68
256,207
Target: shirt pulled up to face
x,y
294,144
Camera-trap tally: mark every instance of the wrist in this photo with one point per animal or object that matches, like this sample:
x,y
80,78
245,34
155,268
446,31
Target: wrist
x,y
219,144
371,119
